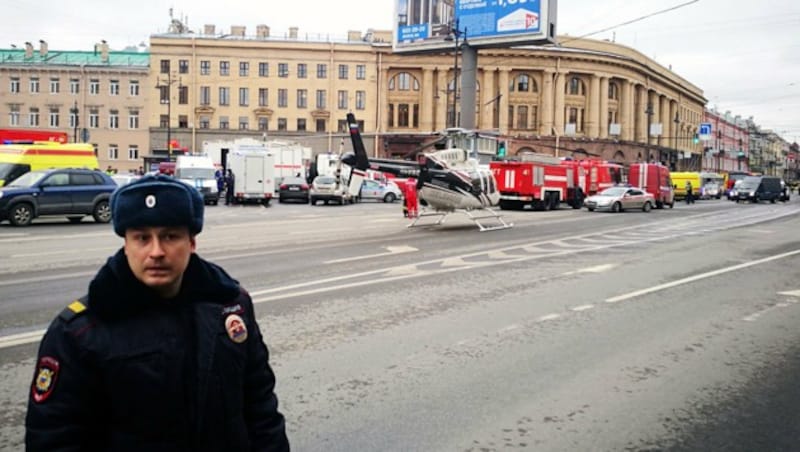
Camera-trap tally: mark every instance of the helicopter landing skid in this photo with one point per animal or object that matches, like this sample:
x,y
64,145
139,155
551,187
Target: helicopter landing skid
x,y
475,215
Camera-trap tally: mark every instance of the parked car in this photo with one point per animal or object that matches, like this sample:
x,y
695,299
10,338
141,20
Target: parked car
x,y
711,190
733,193
293,189
325,189
380,191
73,193
619,198
760,188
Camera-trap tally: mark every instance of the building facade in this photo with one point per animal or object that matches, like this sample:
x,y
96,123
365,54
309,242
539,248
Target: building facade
x,y
96,97
728,147
584,98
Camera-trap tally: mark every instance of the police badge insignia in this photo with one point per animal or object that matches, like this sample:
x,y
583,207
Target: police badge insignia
x,y
46,375
236,329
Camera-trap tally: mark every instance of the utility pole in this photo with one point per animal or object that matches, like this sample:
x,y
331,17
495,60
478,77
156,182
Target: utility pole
x,y
74,112
649,113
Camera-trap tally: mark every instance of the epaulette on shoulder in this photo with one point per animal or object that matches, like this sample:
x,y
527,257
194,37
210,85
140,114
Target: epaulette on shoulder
x,y
73,310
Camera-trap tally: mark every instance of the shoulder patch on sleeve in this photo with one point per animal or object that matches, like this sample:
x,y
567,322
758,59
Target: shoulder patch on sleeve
x,y
73,310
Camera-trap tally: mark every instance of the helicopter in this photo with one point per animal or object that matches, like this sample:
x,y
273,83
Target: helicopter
x,y
448,181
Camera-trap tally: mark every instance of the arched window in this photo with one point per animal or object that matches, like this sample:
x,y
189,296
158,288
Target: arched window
x,y
403,82
576,86
613,91
523,83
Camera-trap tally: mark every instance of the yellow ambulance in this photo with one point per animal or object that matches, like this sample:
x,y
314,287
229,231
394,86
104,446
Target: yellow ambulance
x,y
18,158
679,180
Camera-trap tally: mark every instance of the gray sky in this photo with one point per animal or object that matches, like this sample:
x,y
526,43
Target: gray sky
x,y
745,55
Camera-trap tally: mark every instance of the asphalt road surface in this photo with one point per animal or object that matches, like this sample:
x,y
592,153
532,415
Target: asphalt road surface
x,y
670,330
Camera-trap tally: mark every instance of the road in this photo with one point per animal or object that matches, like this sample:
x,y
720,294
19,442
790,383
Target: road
x,y
669,330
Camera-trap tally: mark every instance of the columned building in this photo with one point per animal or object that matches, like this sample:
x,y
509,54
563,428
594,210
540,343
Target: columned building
x,y
95,96
582,98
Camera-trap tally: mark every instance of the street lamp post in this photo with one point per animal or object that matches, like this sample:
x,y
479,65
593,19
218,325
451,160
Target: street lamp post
x,y
455,34
649,112
677,121
74,112
170,81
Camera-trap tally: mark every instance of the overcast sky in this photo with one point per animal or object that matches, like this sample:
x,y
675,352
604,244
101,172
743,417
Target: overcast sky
x,y
745,55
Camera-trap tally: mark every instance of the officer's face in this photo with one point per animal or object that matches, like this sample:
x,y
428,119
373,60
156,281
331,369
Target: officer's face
x,y
158,256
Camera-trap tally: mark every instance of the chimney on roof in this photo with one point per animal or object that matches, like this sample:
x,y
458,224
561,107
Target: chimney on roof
x,y
293,32
28,50
237,30
353,36
208,29
42,48
104,51
262,31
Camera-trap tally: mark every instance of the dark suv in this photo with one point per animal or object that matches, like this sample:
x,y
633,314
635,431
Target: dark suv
x,y
72,193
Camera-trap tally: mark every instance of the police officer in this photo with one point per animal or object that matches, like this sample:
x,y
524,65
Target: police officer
x,y
164,353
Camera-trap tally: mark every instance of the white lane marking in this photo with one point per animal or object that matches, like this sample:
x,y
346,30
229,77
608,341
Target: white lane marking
x,y
547,317
596,269
694,278
507,329
791,293
584,307
47,278
753,317
390,250
21,338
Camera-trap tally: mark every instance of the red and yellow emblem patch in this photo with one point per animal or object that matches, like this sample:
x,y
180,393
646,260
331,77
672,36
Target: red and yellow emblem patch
x,y
236,328
45,381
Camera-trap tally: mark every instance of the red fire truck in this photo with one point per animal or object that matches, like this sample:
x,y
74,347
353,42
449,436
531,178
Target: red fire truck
x,y
12,136
538,181
594,175
654,179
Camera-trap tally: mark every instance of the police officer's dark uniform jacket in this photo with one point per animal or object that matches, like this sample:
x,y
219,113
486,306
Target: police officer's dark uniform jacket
x,y
123,369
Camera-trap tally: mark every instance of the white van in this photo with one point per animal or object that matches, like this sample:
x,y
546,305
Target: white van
x,y
253,176
198,171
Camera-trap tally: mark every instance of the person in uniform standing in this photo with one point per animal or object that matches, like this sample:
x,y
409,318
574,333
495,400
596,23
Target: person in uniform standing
x,y
689,194
163,353
230,183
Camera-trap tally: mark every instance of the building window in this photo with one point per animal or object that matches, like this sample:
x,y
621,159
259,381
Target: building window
x,y
283,70
164,66
522,117
205,95
244,69
94,118
282,124
361,71
113,87
283,97
361,100
414,118
133,88
224,95
133,119
183,66
322,99
223,122
341,100
74,86
13,115
301,124
263,69
205,67
205,122
163,121
73,119
133,152
390,117
263,123
163,94
403,82
343,72
613,91
55,85
302,98
576,86
113,119
34,84
341,126
244,97
183,121
402,115
113,152
224,68
33,117
94,86
302,70
322,71
243,123
14,85
263,97
321,125
54,117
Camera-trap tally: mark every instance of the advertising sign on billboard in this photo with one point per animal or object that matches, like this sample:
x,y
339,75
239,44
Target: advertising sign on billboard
x,y
428,25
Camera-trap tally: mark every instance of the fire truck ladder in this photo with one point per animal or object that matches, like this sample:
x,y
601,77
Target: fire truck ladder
x,y
475,215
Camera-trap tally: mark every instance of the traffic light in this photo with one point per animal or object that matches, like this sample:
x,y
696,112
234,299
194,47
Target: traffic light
x,y
501,149
696,139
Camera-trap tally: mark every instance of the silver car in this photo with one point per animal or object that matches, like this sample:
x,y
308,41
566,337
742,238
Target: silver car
x,y
380,191
325,189
617,199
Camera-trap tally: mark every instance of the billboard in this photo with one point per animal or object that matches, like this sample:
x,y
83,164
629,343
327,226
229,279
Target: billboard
x,y
427,25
